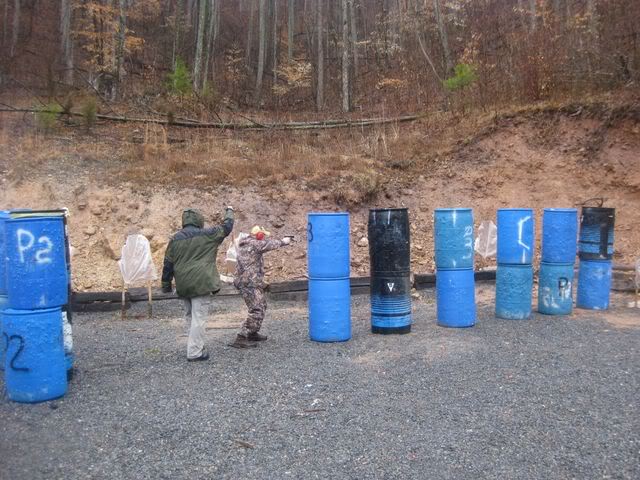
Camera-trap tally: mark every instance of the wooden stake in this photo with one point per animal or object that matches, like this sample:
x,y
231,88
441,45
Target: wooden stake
x,y
123,312
150,310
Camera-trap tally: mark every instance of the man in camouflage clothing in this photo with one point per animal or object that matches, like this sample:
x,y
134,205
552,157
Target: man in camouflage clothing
x,y
249,280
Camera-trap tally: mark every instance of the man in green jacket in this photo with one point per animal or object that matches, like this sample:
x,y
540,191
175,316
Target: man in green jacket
x,y
191,259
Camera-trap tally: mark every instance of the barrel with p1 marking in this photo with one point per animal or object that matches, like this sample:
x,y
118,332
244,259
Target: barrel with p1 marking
x,y
389,255
555,288
515,236
37,274
34,361
453,237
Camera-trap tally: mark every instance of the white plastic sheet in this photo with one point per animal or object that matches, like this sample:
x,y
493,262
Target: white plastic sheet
x,y
487,239
231,258
638,274
136,262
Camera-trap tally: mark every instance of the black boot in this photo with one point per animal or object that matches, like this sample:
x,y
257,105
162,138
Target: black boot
x,y
256,337
242,342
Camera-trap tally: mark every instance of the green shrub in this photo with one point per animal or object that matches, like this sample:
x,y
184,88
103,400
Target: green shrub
x,y
464,76
179,81
47,117
89,112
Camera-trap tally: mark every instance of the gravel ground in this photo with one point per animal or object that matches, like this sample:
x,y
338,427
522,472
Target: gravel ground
x,y
552,397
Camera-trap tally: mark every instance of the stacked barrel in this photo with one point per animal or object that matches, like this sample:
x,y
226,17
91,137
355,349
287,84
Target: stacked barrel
x,y
455,282
595,249
4,216
559,243
329,283
390,261
514,276
37,285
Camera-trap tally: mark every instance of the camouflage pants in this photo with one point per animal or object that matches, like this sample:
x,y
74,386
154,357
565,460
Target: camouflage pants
x,y
257,305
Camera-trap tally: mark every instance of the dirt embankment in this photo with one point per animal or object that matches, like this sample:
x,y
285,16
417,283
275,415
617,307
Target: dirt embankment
x,y
546,159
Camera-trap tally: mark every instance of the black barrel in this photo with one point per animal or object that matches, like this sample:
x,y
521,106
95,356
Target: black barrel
x,y
596,233
389,254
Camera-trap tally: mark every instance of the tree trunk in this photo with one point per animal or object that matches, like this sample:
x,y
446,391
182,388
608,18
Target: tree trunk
x,y
290,25
444,39
122,32
197,62
320,61
354,40
178,28
5,24
274,62
66,43
212,34
346,104
247,53
262,40
16,27
534,14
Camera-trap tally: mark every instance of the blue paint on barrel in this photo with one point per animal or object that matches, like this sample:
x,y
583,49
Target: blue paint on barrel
x,y
35,368
4,304
559,235
328,244
596,233
37,274
453,236
4,216
455,298
391,305
555,288
594,284
516,228
329,310
513,291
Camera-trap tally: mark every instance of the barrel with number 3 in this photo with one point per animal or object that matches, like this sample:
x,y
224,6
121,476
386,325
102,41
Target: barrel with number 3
x,y
37,274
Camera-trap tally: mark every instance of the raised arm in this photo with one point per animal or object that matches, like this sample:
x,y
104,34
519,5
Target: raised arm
x,y
224,229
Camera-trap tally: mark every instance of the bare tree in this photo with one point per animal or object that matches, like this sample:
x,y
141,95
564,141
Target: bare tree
x,y
16,27
444,39
262,40
212,35
66,44
274,62
320,53
346,104
197,63
290,24
120,45
354,40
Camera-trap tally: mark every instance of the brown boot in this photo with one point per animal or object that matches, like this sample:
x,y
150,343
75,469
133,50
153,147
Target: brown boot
x,y
242,342
256,337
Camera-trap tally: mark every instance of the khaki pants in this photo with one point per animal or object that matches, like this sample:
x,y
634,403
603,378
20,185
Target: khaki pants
x,y
197,314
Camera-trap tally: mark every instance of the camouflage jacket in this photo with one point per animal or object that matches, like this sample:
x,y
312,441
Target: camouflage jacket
x,y
250,266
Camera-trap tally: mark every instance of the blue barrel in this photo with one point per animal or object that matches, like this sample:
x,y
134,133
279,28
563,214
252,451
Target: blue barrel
x,y
328,244
329,310
453,235
34,364
555,288
559,235
596,233
513,291
455,298
37,274
594,284
516,227
4,216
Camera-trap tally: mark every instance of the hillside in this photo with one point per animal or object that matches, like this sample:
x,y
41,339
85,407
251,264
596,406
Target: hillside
x,y
123,178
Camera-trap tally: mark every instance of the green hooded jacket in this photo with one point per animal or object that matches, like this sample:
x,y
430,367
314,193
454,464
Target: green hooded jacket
x,y
191,255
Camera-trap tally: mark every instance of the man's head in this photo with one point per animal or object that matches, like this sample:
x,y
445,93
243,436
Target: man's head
x,y
259,233
191,216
